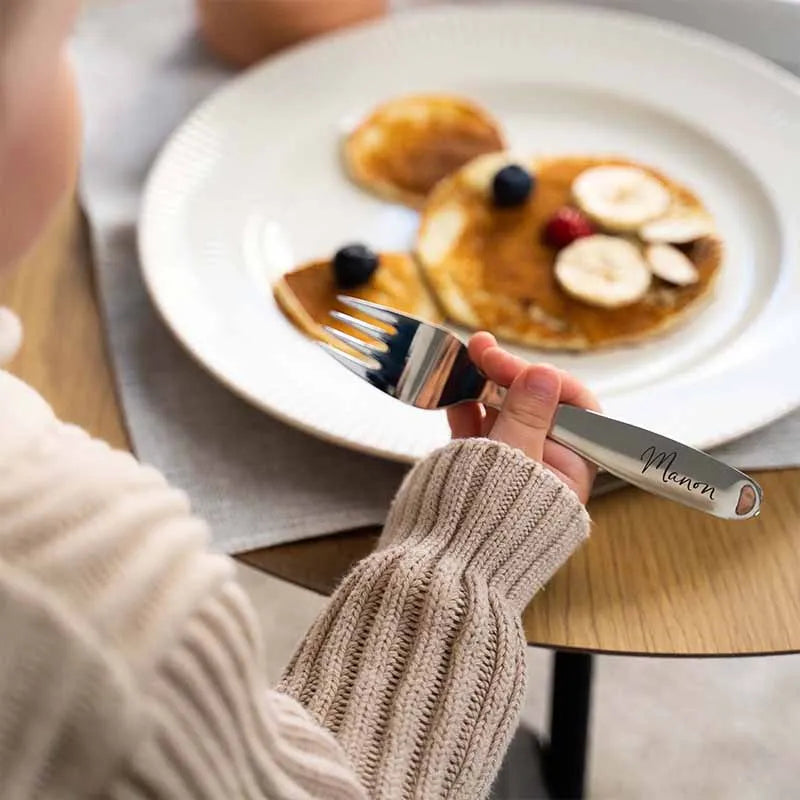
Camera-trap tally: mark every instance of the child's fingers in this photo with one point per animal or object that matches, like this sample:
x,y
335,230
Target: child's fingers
x,y
574,393
502,367
478,344
528,410
465,420
575,471
493,361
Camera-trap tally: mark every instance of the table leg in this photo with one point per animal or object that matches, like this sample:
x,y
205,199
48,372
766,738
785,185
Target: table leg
x,y
565,762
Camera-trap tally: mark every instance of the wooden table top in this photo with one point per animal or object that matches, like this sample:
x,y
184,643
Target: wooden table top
x,y
655,578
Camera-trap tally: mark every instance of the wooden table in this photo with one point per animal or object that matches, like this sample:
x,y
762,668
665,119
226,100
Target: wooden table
x,y
655,578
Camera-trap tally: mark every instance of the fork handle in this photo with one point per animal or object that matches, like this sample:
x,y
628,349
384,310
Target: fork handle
x,y
650,461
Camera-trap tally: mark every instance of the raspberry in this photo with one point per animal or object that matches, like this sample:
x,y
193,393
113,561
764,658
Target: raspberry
x,y
565,226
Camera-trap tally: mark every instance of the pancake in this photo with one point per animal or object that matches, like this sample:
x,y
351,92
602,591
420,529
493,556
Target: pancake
x,y
407,145
490,268
308,294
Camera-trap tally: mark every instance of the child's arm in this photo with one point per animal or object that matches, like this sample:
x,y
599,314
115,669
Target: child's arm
x,y
35,27
39,129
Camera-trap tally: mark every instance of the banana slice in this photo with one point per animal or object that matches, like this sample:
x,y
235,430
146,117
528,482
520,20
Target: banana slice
x,y
671,265
480,172
604,271
677,229
620,198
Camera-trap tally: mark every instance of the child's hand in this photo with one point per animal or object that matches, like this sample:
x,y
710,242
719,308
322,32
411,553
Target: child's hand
x,y
534,392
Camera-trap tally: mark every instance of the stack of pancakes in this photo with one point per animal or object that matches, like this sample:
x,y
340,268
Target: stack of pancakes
x,y
490,267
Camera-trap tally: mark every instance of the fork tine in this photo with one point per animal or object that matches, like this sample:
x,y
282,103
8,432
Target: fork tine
x,y
357,344
355,365
384,314
365,327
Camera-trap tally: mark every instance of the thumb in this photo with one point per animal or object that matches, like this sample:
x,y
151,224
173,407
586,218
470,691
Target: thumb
x,y
528,410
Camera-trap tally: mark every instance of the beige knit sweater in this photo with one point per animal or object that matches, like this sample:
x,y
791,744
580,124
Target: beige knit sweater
x,y
131,663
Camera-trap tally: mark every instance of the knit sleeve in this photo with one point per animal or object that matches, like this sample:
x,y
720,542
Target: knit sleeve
x,y
132,665
131,662
417,665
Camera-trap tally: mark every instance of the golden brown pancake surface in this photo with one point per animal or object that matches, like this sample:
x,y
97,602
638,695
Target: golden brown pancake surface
x,y
405,146
308,294
490,268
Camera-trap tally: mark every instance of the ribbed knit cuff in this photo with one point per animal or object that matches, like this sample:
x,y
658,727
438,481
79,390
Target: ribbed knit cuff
x,y
494,510
216,731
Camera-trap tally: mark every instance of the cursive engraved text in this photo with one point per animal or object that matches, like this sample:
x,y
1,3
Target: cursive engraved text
x,y
660,460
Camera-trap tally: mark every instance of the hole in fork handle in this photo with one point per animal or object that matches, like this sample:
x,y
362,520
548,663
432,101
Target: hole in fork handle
x,y
748,499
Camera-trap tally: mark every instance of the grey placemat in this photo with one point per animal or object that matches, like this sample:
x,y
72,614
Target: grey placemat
x,y
257,481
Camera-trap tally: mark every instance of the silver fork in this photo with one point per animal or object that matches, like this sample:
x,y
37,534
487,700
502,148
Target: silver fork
x,y
426,366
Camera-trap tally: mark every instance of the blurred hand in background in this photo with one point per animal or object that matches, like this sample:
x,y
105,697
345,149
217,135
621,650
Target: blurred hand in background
x,y
244,31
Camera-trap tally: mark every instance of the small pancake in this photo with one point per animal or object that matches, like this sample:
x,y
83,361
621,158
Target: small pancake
x,y
407,145
490,269
308,294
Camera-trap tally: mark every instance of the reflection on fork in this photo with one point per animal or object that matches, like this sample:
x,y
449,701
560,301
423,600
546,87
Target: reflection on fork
x,y
420,364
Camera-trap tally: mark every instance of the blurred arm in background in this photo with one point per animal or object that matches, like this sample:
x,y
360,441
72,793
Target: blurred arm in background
x,y
39,123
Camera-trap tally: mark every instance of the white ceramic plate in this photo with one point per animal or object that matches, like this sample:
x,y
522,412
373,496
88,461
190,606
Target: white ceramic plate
x,y
252,183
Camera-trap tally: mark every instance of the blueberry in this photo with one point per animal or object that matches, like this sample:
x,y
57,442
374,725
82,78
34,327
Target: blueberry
x,y
353,265
511,186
